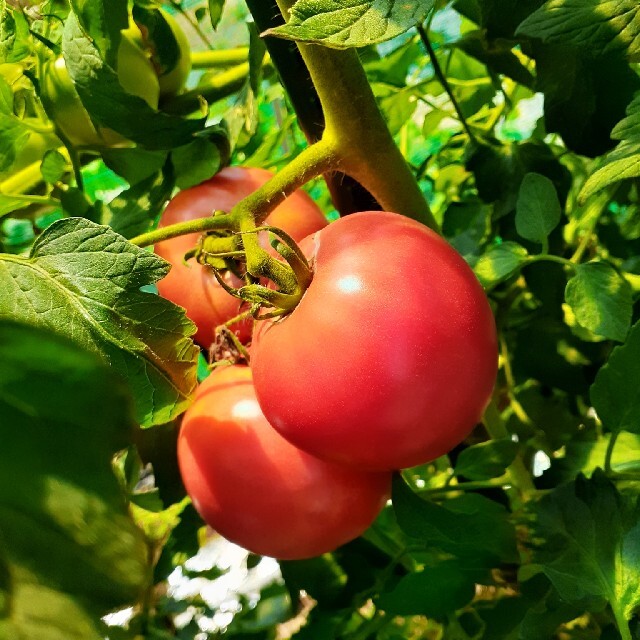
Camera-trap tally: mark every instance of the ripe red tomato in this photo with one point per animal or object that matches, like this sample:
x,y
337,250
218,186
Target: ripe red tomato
x,y
194,286
390,357
257,489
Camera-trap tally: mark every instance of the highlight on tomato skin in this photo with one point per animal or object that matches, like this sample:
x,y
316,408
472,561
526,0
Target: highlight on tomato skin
x,y
193,286
396,332
258,490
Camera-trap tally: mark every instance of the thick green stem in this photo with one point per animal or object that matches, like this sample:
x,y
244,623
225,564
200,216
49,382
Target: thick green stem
x,y
200,225
621,622
251,212
356,129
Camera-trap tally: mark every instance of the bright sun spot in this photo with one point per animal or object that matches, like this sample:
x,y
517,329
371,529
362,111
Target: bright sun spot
x,y
349,284
246,409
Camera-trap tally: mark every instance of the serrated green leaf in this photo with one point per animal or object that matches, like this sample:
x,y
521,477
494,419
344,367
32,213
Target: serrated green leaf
x,y
111,106
622,163
601,300
498,55
499,263
538,209
102,21
435,592
629,127
195,162
600,26
134,164
445,526
133,211
14,34
615,393
487,459
351,23
53,167
68,547
83,280
590,544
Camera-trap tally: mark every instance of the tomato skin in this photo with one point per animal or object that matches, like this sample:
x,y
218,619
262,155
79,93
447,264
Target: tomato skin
x,y
390,358
257,489
194,286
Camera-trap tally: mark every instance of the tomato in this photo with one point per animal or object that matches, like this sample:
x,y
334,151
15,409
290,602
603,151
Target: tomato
x,y
172,80
31,150
136,75
194,286
390,357
258,490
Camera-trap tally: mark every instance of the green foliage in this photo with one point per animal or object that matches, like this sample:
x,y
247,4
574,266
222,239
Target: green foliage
x,y
69,550
592,545
83,280
520,120
351,24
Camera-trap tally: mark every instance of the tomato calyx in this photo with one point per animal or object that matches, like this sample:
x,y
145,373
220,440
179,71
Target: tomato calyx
x,y
291,277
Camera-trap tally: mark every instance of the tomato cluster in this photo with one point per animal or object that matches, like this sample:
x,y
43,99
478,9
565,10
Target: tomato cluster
x,y
388,361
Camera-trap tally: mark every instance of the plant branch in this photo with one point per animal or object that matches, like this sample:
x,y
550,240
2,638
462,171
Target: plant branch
x,y
220,221
609,453
216,58
424,36
357,131
517,472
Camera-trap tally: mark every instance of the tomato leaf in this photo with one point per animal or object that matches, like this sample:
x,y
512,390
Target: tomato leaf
x,y
499,263
600,26
538,209
615,394
584,110
435,592
108,103
69,551
351,23
103,20
83,280
195,162
487,459
14,34
133,211
601,300
443,526
134,164
624,161
53,167
591,544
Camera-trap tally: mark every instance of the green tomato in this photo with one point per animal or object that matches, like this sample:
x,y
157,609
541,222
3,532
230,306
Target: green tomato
x,y
136,76
32,150
154,36
172,80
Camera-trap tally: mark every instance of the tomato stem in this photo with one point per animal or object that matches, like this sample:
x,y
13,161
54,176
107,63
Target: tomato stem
x,y
517,472
219,220
213,59
356,129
